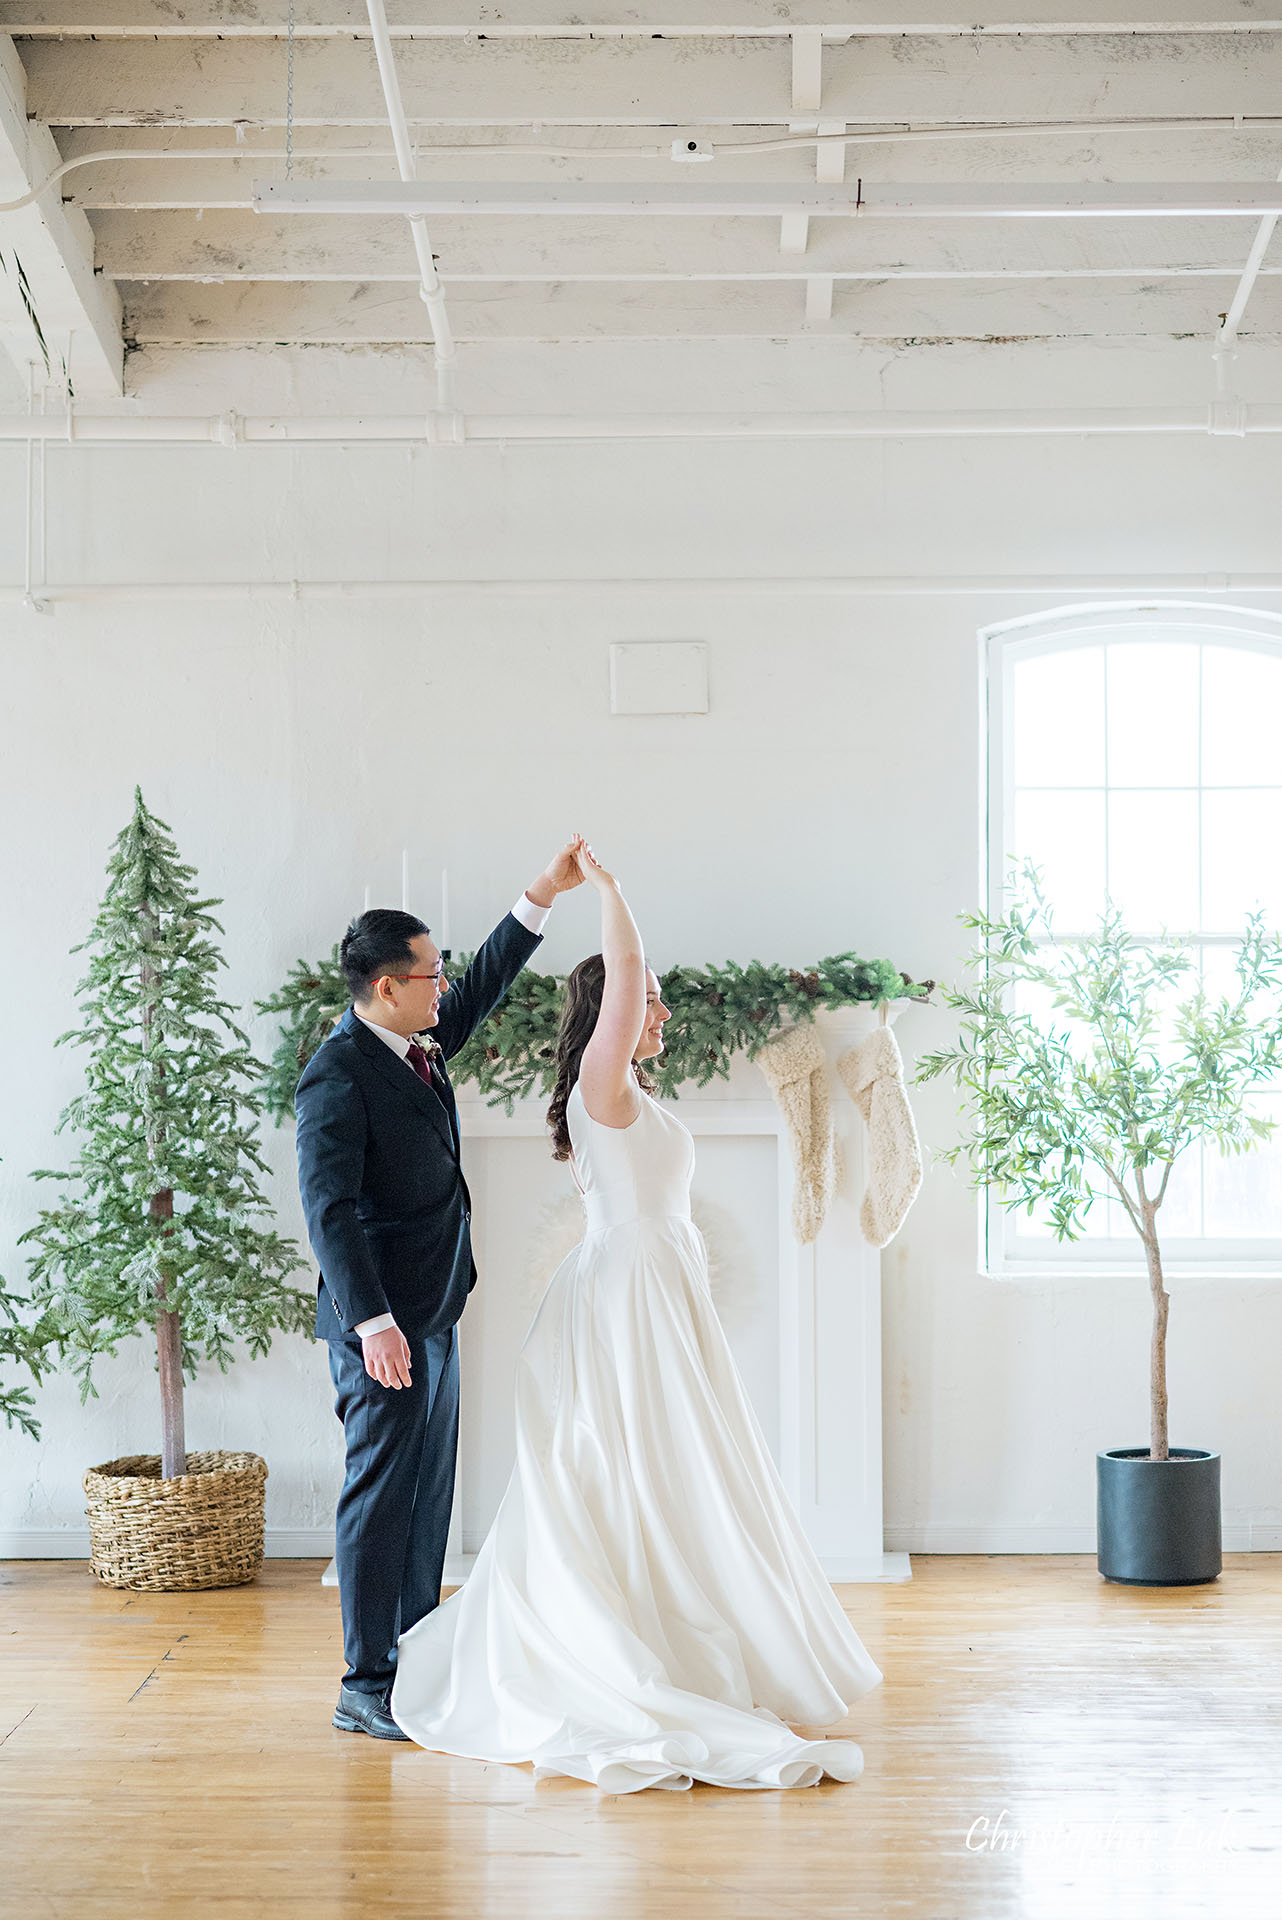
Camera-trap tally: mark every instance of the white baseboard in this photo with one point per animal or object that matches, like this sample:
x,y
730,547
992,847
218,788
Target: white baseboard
x,y
286,1543
867,1570
317,1543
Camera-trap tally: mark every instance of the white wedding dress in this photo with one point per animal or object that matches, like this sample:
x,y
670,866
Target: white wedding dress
x,y
645,1610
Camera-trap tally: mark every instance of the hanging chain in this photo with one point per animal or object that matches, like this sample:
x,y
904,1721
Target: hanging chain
x,y
289,96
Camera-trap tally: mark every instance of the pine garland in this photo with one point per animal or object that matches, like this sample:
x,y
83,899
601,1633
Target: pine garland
x,y
167,1229
311,1000
717,1012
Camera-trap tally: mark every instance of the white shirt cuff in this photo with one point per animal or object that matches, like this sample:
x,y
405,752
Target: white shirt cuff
x,y
378,1325
529,915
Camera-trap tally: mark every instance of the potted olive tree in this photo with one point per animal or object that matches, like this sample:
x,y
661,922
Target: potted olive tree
x,y
1089,1098
164,1232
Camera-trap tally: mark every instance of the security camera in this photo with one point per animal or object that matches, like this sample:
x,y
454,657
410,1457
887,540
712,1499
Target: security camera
x,y
689,150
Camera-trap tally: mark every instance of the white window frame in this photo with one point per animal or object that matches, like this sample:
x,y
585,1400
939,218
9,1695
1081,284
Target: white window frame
x,y
1003,1252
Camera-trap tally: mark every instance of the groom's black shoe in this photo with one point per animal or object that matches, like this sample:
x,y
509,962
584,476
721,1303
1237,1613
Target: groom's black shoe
x,y
366,1713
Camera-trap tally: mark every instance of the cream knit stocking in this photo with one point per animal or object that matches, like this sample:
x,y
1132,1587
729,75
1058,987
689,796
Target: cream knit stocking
x,y
795,1068
874,1076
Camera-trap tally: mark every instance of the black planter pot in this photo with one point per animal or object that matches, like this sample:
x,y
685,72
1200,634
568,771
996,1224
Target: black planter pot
x,y
1158,1521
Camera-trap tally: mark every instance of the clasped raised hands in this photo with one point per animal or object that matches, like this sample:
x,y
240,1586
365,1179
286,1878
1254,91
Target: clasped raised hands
x,y
590,867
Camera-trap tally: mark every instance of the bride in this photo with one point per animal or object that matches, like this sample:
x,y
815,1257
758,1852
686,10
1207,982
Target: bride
x,y
645,1610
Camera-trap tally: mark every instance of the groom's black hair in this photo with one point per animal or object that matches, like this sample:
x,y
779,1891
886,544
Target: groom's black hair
x,y
378,942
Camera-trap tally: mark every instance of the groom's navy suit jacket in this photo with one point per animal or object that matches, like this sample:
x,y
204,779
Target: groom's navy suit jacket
x,y
387,1207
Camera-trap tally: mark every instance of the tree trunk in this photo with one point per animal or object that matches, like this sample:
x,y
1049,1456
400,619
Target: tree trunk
x,y
169,1351
1157,1442
169,1344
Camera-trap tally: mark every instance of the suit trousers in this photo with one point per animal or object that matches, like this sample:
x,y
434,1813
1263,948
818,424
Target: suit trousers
x,y
394,1510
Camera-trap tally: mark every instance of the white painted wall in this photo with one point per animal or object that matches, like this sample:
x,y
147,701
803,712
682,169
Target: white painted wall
x,y
830,799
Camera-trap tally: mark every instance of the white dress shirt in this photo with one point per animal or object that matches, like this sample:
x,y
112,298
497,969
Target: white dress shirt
x,y
530,915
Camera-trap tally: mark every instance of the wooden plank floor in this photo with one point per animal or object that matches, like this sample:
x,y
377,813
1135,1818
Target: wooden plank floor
x,y
1044,1745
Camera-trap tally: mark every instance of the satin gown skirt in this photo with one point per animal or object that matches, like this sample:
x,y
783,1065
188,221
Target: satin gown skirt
x,y
645,1610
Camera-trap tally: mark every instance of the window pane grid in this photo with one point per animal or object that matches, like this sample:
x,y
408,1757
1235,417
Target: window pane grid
x,y
1108,823
1165,699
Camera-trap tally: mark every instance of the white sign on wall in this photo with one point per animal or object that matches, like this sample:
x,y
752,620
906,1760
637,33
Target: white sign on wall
x,y
658,676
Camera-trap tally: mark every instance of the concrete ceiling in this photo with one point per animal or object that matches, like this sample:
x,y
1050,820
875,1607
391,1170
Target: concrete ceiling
x,y
156,243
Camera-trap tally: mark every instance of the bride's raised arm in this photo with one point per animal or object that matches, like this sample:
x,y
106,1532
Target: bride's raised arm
x,y
606,1077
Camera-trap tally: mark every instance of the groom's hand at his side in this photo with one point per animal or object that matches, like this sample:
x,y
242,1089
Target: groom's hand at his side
x,y
387,1357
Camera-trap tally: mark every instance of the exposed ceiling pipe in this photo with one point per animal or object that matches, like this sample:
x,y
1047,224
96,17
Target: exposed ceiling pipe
x,y
1228,410
1154,588
1254,261
232,429
430,288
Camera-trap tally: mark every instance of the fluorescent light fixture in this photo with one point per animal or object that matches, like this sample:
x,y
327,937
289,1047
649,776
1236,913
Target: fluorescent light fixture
x,y
1233,199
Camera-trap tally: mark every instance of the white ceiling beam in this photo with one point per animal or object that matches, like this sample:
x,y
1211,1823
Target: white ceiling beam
x,y
811,370
819,295
237,245
794,232
807,69
257,312
858,200
830,161
651,83
807,95
213,19
60,318
445,83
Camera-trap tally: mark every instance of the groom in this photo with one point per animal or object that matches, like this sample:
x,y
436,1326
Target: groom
x,y
388,1215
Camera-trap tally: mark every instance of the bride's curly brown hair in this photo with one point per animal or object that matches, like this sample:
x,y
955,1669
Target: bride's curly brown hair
x,y
584,991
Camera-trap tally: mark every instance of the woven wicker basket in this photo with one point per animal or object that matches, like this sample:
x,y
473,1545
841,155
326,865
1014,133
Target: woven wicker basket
x,y
202,1529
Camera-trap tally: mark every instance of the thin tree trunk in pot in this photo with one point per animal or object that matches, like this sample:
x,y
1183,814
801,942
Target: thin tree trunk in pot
x,y
169,1349
169,1345
1157,1444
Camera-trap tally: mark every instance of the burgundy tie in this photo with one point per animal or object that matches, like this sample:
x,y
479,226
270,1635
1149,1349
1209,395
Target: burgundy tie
x,y
418,1059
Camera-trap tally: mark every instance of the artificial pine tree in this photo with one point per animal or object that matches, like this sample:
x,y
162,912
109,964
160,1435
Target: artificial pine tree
x,y
22,1344
167,1233
15,1402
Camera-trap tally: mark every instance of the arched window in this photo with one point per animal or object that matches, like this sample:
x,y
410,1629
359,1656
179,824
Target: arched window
x,y
1135,753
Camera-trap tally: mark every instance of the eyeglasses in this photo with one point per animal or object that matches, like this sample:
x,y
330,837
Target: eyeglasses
x,y
415,976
